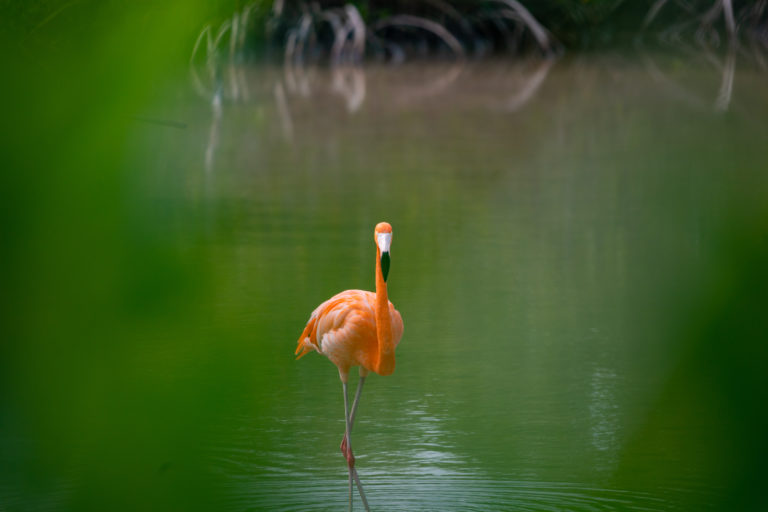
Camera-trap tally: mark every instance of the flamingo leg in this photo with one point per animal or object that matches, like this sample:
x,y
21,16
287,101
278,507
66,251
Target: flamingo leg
x,y
357,401
349,456
360,489
347,447
353,413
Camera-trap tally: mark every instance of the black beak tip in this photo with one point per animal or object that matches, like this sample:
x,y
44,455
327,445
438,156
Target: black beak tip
x,y
385,265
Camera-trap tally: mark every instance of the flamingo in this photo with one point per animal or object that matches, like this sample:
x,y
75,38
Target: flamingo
x,y
357,328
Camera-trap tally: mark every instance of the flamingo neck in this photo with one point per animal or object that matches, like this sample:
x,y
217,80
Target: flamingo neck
x,y
386,348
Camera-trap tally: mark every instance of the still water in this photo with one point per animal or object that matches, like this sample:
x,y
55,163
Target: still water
x,y
561,259
552,223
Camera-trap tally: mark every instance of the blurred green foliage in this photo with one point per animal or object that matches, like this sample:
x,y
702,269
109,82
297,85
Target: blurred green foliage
x,y
87,274
117,361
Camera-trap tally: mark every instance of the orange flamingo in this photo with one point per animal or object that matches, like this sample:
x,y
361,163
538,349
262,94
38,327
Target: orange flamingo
x,y
357,328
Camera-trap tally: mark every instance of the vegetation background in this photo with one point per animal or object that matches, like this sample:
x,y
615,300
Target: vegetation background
x,y
104,282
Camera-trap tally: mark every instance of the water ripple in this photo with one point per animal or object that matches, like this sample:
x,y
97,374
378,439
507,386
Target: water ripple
x,y
412,493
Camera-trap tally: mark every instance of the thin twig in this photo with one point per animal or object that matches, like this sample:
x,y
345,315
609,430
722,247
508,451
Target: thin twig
x,y
234,36
206,30
50,17
290,46
349,82
542,35
452,13
652,12
726,85
358,34
530,86
730,24
339,34
283,111
304,26
406,20
227,25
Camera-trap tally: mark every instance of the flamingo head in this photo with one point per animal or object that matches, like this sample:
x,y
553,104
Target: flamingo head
x,y
383,236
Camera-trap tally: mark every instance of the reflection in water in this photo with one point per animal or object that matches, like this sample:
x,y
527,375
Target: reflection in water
x,y
213,133
509,92
725,69
428,451
237,82
726,86
604,415
530,85
431,87
349,83
512,91
285,114
297,80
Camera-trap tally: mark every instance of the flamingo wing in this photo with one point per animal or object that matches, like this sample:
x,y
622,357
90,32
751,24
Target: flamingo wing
x,y
344,317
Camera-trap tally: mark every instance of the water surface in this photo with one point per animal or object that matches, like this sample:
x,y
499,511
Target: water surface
x,y
550,220
574,243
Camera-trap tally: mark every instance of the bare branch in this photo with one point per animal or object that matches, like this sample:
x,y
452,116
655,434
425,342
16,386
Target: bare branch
x,y
358,34
723,100
206,30
652,12
542,36
730,24
227,25
406,20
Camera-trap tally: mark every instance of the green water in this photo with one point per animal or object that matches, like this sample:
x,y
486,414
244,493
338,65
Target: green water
x,y
577,256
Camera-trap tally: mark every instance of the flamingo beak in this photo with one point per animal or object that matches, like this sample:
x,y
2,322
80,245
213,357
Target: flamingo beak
x,y
385,265
383,240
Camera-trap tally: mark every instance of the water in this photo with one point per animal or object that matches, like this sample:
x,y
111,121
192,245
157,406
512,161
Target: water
x,y
540,211
561,231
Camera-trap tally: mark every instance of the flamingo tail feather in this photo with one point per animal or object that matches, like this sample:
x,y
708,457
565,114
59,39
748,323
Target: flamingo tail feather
x,y
305,344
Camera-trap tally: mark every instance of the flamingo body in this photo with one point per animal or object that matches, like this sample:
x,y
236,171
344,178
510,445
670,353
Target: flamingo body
x,y
357,328
343,329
